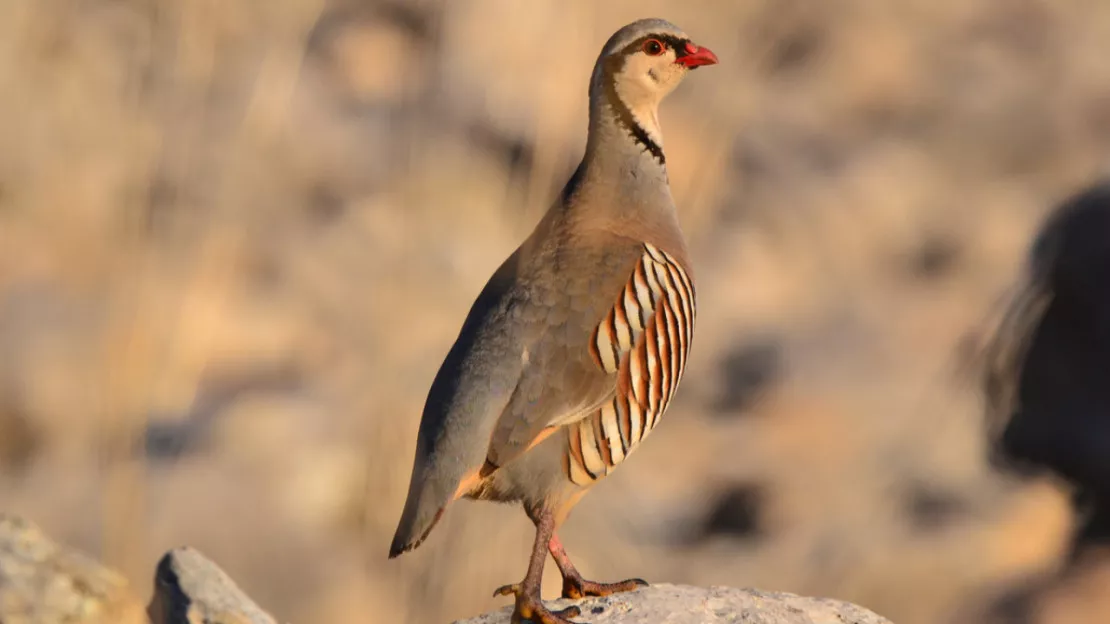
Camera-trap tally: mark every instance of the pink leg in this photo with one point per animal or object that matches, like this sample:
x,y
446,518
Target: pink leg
x,y
574,586
529,605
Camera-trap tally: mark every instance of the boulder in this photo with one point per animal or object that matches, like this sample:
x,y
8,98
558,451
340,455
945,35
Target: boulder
x,y
44,583
682,604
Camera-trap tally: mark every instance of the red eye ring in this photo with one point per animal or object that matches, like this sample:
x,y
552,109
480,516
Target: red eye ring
x,y
653,47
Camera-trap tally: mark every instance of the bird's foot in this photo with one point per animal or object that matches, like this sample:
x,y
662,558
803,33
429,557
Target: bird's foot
x,y
530,608
576,587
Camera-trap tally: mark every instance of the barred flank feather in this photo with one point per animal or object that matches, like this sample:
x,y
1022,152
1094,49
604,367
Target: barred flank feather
x,y
645,339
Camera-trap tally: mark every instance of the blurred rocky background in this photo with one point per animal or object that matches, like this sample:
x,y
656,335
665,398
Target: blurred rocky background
x,y
237,239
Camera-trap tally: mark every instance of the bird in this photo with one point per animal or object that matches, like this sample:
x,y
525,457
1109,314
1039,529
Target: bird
x,y
574,348
1042,371
1047,402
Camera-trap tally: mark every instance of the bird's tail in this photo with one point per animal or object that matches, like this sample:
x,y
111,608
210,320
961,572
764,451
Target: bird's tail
x,y
427,500
409,537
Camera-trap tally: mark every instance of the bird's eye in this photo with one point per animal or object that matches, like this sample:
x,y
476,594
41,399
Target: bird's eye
x,y
653,47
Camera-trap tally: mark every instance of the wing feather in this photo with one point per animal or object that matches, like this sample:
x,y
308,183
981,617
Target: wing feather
x,y
572,365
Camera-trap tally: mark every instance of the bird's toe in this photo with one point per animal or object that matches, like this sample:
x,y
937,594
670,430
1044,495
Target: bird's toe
x,y
576,588
530,609
507,590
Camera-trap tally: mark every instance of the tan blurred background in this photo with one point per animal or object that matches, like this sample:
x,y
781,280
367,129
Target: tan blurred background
x,y
237,238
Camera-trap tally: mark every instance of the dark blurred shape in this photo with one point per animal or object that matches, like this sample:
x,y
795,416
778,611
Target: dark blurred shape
x,y
935,258
417,20
264,269
748,371
1046,379
20,440
170,438
749,161
775,152
34,315
162,198
517,154
325,205
787,35
1015,605
167,440
930,508
1048,399
1096,528
737,513
795,48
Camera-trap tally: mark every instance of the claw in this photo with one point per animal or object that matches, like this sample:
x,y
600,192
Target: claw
x,y
507,590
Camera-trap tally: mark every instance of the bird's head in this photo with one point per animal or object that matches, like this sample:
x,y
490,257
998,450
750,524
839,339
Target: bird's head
x,y
646,60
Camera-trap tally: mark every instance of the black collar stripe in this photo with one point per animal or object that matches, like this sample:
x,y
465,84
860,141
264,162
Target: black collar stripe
x,y
624,116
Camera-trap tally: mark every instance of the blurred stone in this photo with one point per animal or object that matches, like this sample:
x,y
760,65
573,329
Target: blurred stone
x,y
43,583
167,441
171,436
787,36
190,589
935,257
748,371
930,508
680,604
737,513
20,439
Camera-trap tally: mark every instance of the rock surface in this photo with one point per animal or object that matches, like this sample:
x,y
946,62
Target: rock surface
x,y
681,604
190,589
44,583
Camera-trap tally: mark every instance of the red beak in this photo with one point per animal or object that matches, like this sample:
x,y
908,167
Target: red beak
x,y
696,57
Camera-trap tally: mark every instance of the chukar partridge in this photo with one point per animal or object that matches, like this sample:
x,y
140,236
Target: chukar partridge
x,y
575,347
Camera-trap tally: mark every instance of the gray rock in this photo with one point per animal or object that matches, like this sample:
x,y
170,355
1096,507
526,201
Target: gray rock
x,y
682,604
190,589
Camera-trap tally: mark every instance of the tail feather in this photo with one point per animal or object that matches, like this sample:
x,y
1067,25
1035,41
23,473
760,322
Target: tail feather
x,y
402,542
429,494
